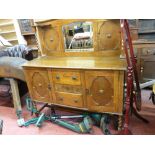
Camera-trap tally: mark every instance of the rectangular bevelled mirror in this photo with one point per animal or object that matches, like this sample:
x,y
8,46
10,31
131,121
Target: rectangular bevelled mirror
x,y
78,37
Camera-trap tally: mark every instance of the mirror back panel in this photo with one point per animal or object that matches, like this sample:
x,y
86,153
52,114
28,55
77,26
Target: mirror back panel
x,y
79,37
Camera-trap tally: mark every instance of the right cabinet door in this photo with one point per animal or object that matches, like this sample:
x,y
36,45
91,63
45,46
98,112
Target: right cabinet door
x,y
104,93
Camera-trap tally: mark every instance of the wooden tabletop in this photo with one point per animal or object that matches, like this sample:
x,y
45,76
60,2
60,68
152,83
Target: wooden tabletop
x,y
108,63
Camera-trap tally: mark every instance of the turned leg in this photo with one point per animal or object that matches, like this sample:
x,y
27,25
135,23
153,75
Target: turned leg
x,y
127,102
119,122
35,110
16,101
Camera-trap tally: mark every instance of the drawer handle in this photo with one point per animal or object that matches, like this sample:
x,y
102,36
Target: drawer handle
x,y
88,91
74,77
61,99
49,87
39,84
51,39
76,101
108,35
101,91
57,77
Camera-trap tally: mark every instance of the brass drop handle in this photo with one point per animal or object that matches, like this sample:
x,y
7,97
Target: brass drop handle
x,y
74,77
49,87
57,77
61,99
88,92
101,91
51,39
76,101
39,84
108,35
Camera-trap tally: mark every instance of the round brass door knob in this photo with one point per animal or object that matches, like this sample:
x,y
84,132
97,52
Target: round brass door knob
x,y
101,91
39,84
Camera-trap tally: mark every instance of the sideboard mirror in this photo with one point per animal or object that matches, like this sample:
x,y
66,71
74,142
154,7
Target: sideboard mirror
x,y
78,37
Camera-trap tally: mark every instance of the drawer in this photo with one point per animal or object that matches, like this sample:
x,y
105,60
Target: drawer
x,y
69,99
68,88
67,77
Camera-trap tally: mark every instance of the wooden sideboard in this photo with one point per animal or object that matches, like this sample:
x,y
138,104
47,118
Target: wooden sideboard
x,y
80,66
146,59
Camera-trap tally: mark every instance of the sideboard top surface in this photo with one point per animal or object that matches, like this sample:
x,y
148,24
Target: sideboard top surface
x,y
109,63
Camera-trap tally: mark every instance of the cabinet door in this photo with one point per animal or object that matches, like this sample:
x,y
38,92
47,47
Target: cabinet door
x,y
108,35
50,38
38,84
102,91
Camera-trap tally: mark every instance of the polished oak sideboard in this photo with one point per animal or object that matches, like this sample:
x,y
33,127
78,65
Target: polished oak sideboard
x,y
79,66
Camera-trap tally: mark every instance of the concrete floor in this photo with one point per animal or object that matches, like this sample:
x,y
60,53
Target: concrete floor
x,y
137,127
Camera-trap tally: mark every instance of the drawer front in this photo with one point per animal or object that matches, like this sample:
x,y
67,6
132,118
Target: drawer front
x,y
67,77
69,99
68,88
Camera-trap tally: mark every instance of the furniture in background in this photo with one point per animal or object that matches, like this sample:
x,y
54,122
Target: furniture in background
x,y
10,69
146,59
7,31
144,47
28,31
11,60
143,36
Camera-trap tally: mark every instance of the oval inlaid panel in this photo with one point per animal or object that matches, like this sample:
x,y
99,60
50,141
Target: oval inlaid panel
x,y
50,39
108,36
39,84
101,91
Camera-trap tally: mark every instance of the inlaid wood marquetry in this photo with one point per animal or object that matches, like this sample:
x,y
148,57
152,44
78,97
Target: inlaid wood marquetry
x,y
50,38
102,91
109,35
39,84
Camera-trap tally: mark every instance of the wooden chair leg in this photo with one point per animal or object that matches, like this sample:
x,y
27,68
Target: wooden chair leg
x,y
16,101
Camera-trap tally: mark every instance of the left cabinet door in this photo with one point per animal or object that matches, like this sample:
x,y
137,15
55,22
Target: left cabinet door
x,y
38,84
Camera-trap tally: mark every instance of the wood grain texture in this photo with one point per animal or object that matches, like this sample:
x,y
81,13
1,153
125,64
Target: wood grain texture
x,y
38,84
92,81
100,87
99,63
52,39
69,99
69,77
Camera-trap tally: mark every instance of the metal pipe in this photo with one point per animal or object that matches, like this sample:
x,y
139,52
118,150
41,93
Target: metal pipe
x,y
74,116
68,125
146,84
